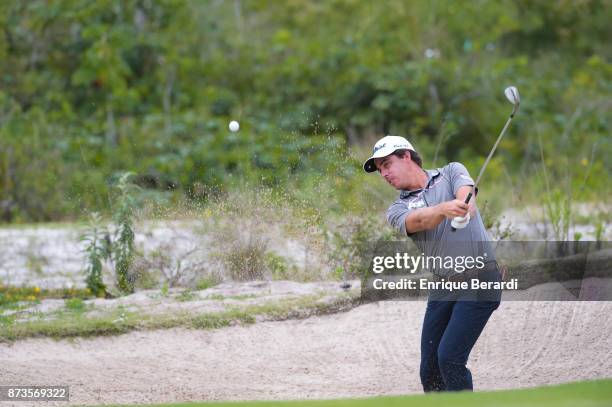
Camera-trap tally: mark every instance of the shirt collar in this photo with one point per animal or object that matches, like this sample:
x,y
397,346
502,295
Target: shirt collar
x,y
431,175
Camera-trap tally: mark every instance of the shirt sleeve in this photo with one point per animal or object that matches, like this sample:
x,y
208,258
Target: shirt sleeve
x,y
459,176
396,216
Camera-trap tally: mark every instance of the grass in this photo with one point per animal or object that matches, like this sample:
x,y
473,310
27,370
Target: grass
x,y
186,295
68,324
220,320
215,297
206,282
221,297
13,300
14,295
241,297
596,393
74,304
72,321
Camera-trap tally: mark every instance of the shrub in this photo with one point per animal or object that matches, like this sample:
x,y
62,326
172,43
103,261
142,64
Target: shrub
x,y
98,249
245,258
351,241
123,247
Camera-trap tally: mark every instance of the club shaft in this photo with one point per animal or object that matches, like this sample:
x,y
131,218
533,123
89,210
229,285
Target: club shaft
x,y
484,166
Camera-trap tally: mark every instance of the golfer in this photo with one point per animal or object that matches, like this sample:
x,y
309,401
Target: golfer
x,y
428,201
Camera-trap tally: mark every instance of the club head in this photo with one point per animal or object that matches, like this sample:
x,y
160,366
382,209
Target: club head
x,y
512,95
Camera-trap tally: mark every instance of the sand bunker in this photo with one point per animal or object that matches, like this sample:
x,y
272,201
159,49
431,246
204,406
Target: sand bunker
x,y
370,350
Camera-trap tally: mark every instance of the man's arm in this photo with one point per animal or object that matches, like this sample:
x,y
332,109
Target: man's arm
x,y
462,184
429,218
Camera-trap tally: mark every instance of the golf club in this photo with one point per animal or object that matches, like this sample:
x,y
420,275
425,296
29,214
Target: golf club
x,y
513,97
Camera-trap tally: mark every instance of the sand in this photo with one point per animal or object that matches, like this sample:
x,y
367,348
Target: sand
x,y
370,350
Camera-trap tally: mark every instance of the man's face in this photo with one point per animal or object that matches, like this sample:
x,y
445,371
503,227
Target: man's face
x,y
396,171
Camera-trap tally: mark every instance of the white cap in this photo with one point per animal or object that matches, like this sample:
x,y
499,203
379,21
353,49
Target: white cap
x,y
385,146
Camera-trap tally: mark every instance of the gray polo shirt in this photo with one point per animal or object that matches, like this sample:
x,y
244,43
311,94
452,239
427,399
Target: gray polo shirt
x,y
442,185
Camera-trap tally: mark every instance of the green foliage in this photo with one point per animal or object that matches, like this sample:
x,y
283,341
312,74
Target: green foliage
x,y
91,88
123,244
143,277
352,242
245,258
186,295
559,189
589,393
118,248
98,248
494,224
216,297
206,282
74,304
66,323
12,296
279,267
599,231
164,289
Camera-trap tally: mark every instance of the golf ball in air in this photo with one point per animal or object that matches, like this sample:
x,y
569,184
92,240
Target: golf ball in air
x,y
234,126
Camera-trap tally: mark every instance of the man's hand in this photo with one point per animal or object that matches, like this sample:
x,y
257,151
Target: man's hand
x,y
454,208
462,194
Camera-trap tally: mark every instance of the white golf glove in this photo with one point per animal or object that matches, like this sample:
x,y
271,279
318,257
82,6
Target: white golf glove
x,y
460,222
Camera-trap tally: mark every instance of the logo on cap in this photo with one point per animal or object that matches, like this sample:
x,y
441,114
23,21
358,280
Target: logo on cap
x,y
378,147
